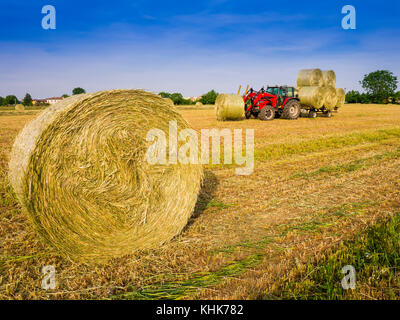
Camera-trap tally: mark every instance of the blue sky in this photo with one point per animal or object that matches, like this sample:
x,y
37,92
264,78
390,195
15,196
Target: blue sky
x,y
188,46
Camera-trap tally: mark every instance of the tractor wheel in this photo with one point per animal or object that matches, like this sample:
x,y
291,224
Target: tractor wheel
x,y
291,110
267,114
328,114
312,114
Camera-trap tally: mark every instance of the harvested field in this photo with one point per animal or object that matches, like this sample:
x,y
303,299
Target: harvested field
x,y
316,183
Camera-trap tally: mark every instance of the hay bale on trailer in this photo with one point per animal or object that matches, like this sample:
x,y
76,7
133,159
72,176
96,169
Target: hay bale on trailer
x,y
329,78
330,98
19,107
229,107
80,171
310,77
341,98
312,96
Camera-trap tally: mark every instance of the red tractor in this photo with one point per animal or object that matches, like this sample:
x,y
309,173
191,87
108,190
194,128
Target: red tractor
x,y
275,102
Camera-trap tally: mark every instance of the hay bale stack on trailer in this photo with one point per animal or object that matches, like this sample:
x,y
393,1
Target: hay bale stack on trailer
x,y
317,92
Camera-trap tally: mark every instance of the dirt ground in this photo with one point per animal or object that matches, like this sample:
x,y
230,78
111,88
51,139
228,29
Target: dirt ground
x,y
316,183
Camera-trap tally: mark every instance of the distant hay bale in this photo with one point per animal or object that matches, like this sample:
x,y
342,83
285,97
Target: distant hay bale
x,y
199,104
80,171
310,77
341,98
312,96
330,98
329,78
169,101
19,107
229,107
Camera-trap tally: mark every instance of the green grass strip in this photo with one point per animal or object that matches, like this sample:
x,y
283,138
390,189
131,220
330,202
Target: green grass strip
x,y
276,151
375,254
175,290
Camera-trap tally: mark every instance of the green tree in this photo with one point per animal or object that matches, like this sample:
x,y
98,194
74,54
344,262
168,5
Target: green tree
x,y
396,97
209,97
78,90
177,98
65,95
165,95
11,99
27,100
2,101
380,85
353,97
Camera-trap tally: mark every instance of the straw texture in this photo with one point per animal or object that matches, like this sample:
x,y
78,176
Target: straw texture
x,y
310,77
330,98
80,171
229,107
312,96
169,101
19,107
341,98
329,78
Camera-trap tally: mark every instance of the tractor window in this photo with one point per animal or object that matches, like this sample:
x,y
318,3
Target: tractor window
x,y
273,90
290,92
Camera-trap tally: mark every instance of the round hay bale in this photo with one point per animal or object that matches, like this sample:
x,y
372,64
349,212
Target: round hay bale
x,y
310,77
19,107
341,98
330,98
169,101
80,171
199,104
229,107
329,78
312,96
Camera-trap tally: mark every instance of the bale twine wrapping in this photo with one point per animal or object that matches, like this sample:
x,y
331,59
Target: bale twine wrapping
x,y
341,98
310,77
19,107
229,107
80,171
312,96
330,98
329,78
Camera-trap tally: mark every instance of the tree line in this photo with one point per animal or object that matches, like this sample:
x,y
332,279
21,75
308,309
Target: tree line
x,y
380,88
28,101
178,99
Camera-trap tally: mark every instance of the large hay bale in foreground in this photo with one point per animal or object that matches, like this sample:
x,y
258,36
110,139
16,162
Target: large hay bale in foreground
x,y
329,78
310,77
80,171
19,107
169,101
341,98
330,98
229,107
312,96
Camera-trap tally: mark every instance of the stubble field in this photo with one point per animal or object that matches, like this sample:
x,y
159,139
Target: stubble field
x,y
316,183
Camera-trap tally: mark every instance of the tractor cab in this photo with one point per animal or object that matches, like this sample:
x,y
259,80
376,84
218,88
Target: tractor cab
x,y
283,91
